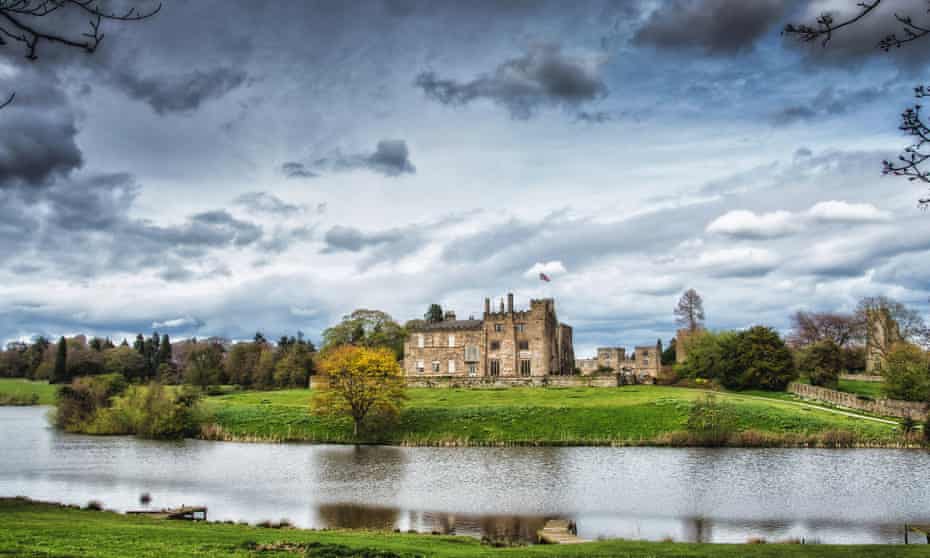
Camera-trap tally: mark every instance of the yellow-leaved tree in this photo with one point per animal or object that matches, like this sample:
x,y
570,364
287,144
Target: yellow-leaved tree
x,y
359,382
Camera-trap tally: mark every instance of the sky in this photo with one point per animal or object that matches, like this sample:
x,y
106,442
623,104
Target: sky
x,y
221,169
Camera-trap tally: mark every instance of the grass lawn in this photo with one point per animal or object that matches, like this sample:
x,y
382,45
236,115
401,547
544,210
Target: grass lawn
x,y
869,389
13,390
551,416
33,530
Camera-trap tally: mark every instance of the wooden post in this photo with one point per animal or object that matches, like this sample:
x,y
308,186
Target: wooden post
x,y
905,533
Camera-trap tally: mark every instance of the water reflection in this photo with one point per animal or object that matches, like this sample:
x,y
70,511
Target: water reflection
x,y
714,495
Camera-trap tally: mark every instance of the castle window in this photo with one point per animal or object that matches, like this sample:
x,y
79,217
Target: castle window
x,y
451,367
451,340
472,369
436,366
524,345
429,340
520,328
421,341
420,367
471,353
495,345
525,367
495,367
498,327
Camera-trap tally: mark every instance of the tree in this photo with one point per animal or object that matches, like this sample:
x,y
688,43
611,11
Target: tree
x,y
204,364
125,361
910,324
60,373
293,367
822,361
33,22
705,355
242,363
907,373
164,351
908,164
264,371
367,328
433,314
359,382
757,359
690,311
808,328
668,355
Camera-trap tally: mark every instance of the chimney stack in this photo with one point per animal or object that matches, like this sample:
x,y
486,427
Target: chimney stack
x,y
487,306
510,302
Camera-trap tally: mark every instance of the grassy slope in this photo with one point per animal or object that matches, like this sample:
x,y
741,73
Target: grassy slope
x,y
632,414
30,529
870,389
17,387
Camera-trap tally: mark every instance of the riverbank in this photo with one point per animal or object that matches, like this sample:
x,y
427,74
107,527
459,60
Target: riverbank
x,y
50,530
630,415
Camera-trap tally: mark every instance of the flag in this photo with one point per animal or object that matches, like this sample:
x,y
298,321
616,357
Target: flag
x,y
544,277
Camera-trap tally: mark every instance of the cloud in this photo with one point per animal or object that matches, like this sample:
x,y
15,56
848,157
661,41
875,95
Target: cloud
x,y
350,239
829,102
836,211
186,322
551,269
181,93
543,76
714,26
737,262
390,158
741,223
264,202
293,169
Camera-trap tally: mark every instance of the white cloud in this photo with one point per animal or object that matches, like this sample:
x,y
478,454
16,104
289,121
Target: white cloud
x,y
177,323
742,223
737,262
552,268
837,211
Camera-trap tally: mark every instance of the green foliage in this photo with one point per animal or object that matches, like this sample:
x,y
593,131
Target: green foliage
x,y
126,361
294,367
710,422
907,373
204,365
668,355
822,362
757,359
705,355
242,362
79,402
367,328
150,411
60,372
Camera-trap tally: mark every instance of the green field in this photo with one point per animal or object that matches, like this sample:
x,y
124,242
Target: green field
x,y
868,389
33,530
16,391
532,416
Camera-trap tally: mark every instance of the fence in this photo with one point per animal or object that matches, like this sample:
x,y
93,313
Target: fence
x,y
884,407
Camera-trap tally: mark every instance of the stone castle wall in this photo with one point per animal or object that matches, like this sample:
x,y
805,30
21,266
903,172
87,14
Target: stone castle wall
x,y
885,407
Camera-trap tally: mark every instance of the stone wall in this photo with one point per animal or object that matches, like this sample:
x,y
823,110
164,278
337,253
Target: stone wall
x,y
885,407
610,380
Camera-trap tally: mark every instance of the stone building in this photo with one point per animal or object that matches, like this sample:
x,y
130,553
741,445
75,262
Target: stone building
x,y
644,364
507,343
882,332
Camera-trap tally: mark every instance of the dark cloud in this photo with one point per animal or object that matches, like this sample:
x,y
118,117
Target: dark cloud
x,y
293,169
350,239
264,202
543,76
167,93
829,102
715,26
390,158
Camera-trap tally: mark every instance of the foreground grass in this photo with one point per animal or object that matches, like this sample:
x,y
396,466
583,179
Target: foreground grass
x,y
31,530
531,416
16,391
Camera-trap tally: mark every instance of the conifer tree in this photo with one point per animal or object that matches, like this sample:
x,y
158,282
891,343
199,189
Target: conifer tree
x,y
60,372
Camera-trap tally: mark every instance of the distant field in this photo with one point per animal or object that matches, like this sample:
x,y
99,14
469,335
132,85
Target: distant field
x,y
34,530
19,391
528,416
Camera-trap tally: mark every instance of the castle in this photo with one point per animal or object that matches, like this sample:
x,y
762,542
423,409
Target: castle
x,y
507,343
517,347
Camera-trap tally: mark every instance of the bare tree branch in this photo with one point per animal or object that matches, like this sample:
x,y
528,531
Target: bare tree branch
x,y
8,100
19,23
825,26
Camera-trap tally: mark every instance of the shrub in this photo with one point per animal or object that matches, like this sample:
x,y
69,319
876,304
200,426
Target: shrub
x,y
710,422
907,373
151,412
822,362
79,402
705,355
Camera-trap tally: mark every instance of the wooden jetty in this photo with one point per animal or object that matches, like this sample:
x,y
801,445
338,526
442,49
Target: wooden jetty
x,y
559,531
188,513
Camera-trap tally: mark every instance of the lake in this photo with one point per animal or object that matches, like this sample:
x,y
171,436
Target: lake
x,y
686,494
